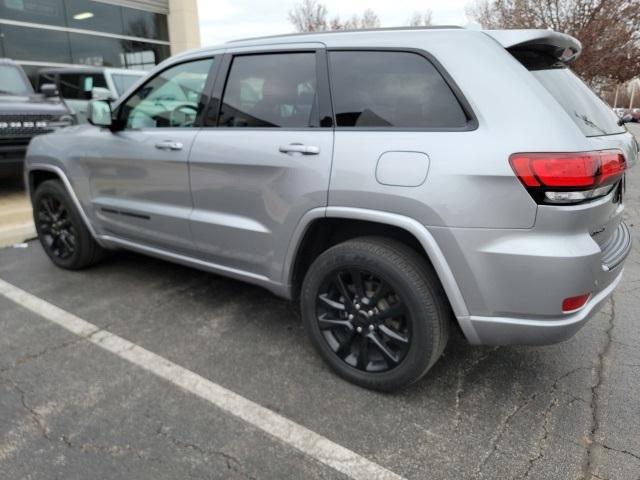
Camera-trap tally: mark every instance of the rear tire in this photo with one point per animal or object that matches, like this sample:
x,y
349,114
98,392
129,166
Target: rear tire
x,y
61,230
376,312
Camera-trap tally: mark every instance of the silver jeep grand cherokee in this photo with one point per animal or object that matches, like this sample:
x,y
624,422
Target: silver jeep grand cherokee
x,y
395,182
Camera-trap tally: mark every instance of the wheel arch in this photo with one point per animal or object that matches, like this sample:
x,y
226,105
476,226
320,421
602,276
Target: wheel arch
x,y
37,173
323,228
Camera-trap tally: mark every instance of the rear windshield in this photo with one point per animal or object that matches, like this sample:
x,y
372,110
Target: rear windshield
x,y
593,116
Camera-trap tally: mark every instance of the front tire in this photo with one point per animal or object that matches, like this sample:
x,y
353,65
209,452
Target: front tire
x,y
62,233
376,312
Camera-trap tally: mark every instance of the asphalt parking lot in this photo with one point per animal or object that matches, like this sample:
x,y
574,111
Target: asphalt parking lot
x,y
84,406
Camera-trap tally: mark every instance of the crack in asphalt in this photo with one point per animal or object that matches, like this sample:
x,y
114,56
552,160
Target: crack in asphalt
x,y
34,356
502,427
53,348
114,451
233,464
462,374
598,372
35,416
625,452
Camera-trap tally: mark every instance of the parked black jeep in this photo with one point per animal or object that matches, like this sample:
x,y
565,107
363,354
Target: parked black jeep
x,y
25,114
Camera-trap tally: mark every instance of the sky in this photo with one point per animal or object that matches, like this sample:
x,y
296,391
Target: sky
x,y
224,20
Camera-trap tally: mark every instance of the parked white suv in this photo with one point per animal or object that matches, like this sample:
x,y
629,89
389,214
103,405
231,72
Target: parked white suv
x,y
78,86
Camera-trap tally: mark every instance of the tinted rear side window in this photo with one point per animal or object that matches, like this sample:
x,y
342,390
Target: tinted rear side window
x,y
391,89
274,90
593,116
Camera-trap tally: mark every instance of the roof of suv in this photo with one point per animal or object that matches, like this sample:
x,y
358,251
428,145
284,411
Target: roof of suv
x,y
394,36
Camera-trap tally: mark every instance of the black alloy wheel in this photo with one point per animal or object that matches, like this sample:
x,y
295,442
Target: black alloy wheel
x,y
364,321
375,311
62,232
57,232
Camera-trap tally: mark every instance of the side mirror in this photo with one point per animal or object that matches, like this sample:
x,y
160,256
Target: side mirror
x,y
99,113
49,90
100,93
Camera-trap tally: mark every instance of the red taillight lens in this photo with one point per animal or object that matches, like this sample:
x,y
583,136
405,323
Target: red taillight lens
x,y
567,172
572,304
612,166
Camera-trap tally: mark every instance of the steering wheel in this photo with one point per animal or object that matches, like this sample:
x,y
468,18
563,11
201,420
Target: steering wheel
x,y
188,117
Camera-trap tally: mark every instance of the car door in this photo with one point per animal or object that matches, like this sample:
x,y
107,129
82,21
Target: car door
x,y
263,158
139,174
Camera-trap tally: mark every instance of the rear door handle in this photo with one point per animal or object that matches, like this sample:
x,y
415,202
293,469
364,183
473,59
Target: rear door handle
x,y
169,145
299,148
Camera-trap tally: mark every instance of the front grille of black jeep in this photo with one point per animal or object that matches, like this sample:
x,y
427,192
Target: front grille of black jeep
x,y
20,126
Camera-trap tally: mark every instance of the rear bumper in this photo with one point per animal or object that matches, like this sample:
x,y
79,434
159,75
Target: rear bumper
x,y
513,282
519,331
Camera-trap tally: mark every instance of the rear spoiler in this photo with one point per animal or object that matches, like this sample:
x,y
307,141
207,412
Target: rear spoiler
x,y
564,48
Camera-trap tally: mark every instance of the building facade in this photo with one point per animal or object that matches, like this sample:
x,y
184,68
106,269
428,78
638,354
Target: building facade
x,y
135,34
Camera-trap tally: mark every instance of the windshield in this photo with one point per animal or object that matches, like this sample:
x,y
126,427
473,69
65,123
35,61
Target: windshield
x,y
124,81
592,115
12,82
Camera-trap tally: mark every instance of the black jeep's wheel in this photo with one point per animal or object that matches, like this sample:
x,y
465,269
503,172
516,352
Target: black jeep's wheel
x,y
61,231
376,312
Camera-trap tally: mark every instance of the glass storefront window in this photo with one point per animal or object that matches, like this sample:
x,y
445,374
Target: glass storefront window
x,y
114,52
97,16
35,44
49,12
138,23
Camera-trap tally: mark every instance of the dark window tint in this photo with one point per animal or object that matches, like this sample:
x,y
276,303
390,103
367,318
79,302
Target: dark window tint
x,y
12,81
77,86
138,23
276,90
50,12
391,89
35,44
170,99
97,16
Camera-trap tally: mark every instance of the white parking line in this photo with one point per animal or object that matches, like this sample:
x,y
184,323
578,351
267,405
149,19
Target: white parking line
x,y
310,443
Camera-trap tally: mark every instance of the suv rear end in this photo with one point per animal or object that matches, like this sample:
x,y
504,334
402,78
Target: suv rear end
x,y
540,284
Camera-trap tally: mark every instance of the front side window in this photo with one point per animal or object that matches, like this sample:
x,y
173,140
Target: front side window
x,y
271,90
391,89
170,99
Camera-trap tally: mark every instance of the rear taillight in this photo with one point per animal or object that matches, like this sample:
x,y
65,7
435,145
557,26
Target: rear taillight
x,y
568,177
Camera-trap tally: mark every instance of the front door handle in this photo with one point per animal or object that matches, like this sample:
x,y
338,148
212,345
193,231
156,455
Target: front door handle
x,y
299,148
169,145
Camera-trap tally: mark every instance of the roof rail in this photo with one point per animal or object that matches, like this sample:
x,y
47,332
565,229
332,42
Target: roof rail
x,y
328,32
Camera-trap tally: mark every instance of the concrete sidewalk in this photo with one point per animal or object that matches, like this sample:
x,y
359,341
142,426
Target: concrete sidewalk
x,y
16,222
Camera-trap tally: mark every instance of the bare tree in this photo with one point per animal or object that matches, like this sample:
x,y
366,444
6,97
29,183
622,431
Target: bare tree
x,y
421,19
608,30
309,16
